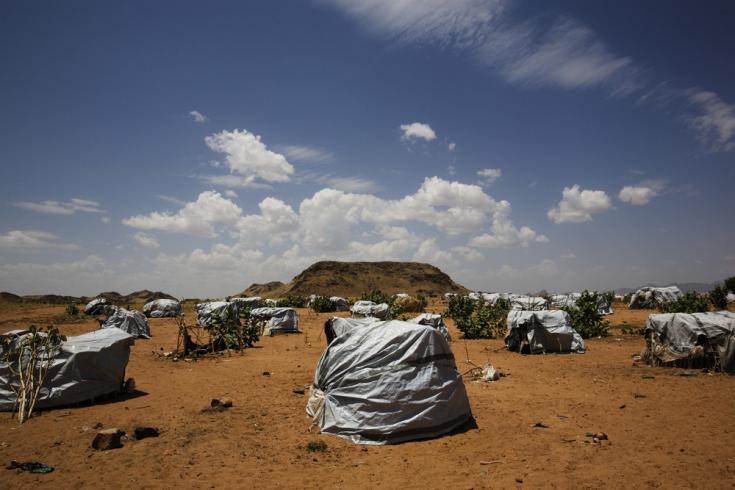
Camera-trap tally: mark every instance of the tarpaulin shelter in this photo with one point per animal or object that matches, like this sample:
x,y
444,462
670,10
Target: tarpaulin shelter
x,y
363,309
537,332
133,322
159,308
275,320
653,297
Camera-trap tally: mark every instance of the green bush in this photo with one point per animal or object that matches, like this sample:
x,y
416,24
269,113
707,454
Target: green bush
x,y
72,310
585,316
718,297
730,284
377,296
226,332
291,301
322,304
690,302
477,319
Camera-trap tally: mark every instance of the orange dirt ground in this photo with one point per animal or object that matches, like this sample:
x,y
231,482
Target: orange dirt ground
x,y
664,431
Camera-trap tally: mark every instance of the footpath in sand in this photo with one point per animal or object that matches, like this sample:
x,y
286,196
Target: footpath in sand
x,y
664,430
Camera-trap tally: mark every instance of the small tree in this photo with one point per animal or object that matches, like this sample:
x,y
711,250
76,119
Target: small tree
x,y
718,297
227,332
322,304
72,310
690,302
730,284
586,317
477,319
28,357
291,301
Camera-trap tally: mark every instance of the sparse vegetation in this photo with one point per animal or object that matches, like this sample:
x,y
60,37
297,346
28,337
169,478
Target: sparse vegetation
x,y
322,304
71,310
377,296
477,319
291,301
718,297
586,317
729,284
690,302
316,446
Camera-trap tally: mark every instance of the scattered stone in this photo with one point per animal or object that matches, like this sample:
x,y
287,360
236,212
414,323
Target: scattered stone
x,y
107,439
219,405
316,446
299,391
622,406
519,480
145,432
267,373
98,425
686,374
540,425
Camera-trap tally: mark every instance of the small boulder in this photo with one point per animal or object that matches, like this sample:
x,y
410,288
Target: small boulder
x,y
144,432
107,439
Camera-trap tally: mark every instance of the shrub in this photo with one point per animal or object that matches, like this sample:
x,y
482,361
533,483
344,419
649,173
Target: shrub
x,y
291,301
730,284
585,316
226,332
690,302
322,304
718,297
72,310
477,319
377,296
316,446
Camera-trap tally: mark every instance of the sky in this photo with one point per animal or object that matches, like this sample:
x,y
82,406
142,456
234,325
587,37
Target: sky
x,y
198,147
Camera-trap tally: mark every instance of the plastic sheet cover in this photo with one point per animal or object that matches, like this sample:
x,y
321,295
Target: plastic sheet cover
x,y
159,308
133,322
363,309
653,297
280,320
540,332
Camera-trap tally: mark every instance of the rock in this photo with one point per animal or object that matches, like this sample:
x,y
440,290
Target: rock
x,y
144,432
98,425
220,403
299,391
107,439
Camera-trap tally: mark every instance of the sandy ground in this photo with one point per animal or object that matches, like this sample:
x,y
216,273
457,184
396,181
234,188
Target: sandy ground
x,y
664,431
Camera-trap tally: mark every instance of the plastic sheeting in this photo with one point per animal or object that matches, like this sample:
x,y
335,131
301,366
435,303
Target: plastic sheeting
x,y
280,320
538,332
389,383
341,304
86,367
676,336
730,298
527,303
364,309
433,320
653,297
336,326
133,322
159,308
96,307
207,311
569,300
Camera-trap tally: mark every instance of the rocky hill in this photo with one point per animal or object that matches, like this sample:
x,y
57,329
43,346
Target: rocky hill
x,y
113,297
350,279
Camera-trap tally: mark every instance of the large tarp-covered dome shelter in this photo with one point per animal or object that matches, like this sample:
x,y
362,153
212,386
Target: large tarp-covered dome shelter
x,y
697,340
364,309
388,383
96,307
86,367
207,312
569,300
133,322
528,303
433,320
653,297
276,320
159,308
540,332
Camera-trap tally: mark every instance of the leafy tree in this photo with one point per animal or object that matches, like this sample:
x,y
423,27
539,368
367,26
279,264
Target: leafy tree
x,y
322,304
291,301
377,296
586,317
690,302
718,297
229,332
730,284
477,319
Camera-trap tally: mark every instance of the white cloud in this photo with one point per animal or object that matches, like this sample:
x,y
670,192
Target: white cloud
x,y
171,199
489,175
547,267
451,146
232,181
350,184
417,130
307,154
32,239
637,195
146,240
504,234
714,122
578,206
198,117
62,208
105,219
451,170
247,156
201,217
231,194
431,253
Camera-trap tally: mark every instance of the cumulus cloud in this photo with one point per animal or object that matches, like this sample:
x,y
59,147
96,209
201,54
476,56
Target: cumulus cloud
x,y
307,154
489,175
451,170
416,131
198,117
171,199
32,239
578,206
146,241
714,120
248,157
451,146
61,207
636,195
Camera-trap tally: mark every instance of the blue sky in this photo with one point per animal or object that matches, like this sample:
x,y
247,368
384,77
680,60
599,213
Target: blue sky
x,y
199,147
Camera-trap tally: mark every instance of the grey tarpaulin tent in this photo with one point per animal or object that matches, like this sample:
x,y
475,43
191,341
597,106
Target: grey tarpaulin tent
x,y
653,297
527,303
433,320
206,312
133,322
96,307
86,367
363,309
691,339
279,320
341,304
159,308
388,383
336,326
537,332
569,300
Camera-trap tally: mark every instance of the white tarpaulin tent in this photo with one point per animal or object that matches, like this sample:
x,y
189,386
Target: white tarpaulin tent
x,y
389,383
538,332
527,303
569,300
653,297
730,298
96,307
87,366
133,322
206,312
279,320
159,308
341,304
675,337
364,309
433,320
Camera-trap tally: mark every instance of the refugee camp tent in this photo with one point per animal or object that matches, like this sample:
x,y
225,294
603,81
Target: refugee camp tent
x,y
363,309
87,366
96,307
402,295
249,302
391,382
341,304
653,297
207,312
730,298
133,322
535,332
336,326
433,320
159,308
691,340
275,320
527,303
569,300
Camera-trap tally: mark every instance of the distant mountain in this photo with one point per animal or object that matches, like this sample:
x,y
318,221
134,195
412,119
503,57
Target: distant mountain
x,y
351,279
113,297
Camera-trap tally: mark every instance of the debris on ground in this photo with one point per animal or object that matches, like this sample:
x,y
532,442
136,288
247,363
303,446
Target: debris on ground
x,y
540,425
316,446
219,405
145,432
686,374
489,373
299,391
108,439
597,437
30,466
